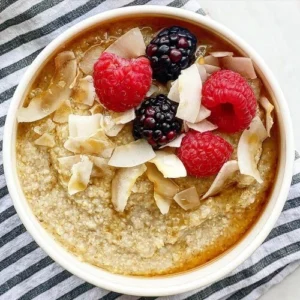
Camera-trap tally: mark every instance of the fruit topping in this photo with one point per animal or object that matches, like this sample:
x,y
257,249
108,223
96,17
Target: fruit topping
x,y
230,99
250,148
156,122
241,65
171,51
129,45
121,83
203,154
268,107
225,176
187,199
132,154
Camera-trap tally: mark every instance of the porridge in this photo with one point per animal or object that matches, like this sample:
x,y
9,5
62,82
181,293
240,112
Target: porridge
x,y
147,148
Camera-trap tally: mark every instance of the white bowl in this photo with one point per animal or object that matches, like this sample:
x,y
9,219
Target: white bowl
x,y
164,285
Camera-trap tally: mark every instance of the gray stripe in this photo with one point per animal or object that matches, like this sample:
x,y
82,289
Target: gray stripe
x,y
282,229
20,64
250,288
201,12
247,272
79,290
296,179
7,214
178,3
137,2
297,155
5,4
45,286
11,259
46,261
292,203
110,296
2,120
1,170
7,94
4,190
6,238
50,27
30,13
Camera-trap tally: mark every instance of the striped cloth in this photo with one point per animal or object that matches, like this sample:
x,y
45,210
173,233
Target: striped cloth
x,y
26,272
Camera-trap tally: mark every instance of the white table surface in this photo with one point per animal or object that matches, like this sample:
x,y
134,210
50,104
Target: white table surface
x,y
272,28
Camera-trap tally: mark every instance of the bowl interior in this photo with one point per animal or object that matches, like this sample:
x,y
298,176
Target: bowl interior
x,y
171,284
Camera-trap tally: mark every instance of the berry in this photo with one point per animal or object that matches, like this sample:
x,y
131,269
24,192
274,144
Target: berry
x,y
121,83
230,99
203,154
171,51
156,122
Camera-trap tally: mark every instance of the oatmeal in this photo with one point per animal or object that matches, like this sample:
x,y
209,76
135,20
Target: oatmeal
x,y
164,179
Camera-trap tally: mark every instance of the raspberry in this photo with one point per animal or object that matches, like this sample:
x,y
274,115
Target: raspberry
x,y
156,122
171,51
121,83
230,99
203,154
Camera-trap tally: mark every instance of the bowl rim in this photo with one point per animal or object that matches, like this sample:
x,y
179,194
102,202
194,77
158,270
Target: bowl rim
x,y
147,286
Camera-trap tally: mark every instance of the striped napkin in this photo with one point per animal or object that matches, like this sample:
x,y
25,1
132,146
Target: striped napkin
x,y
26,272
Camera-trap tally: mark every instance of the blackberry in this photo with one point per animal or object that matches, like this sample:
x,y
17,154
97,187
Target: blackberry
x,y
171,51
156,122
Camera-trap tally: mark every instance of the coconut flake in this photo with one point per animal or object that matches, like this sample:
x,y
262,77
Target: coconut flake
x,y
268,107
256,86
78,75
224,177
122,185
174,91
132,154
46,140
96,109
45,127
129,45
164,187
124,117
202,72
81,173
220,54
100,167
58,91
250,148
203,114
109,126
89,58
190,86
98,144
210,69
169,164
153,89
84,126
202,126
175,143
241,65
211,60
84,92
187,199
61,115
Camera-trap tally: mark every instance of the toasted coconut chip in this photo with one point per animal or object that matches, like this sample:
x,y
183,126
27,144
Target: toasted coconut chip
x,y
268,107
169,164
190,86
129,45
46,140
174,91
124,117
101,167
132,154
153,89
256,86
61,115
57,92
185,126
164,187
244,181
220,54
84,126
187,199
89,58
210,69
211,60
163,203
109,126
98,144
175,143
203,114
67,162
45,127
202,72
122,185
225,176
96,109
250,148
84,92
81,173
77,77
201,51
202,126
241,65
